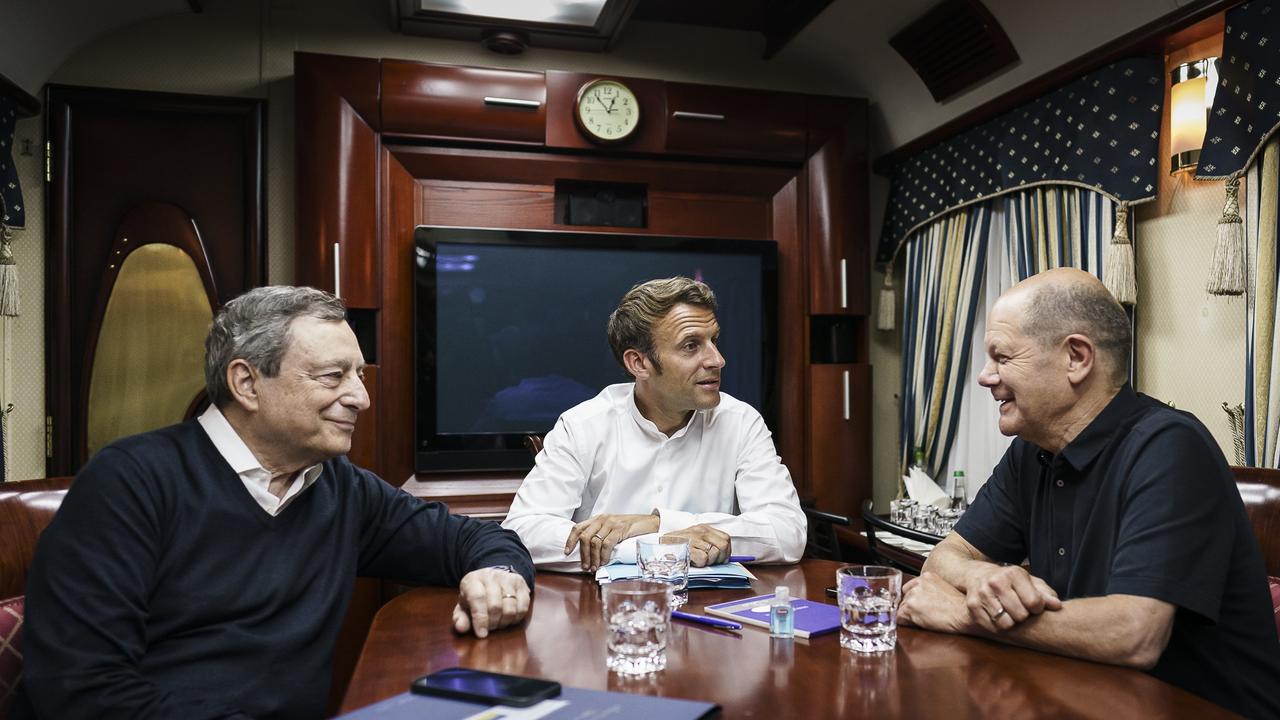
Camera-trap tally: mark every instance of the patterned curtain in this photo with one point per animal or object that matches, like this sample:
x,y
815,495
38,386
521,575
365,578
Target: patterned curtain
x,y
944,264
1262,357
956,268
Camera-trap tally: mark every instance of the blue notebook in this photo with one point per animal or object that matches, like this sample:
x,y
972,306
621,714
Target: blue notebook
x,y
812,617
572,704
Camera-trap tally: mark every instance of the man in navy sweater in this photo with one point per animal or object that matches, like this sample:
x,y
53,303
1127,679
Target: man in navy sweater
x,y
203,570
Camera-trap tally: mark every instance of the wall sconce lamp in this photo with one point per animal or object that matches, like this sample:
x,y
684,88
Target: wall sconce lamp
x,y
1190,97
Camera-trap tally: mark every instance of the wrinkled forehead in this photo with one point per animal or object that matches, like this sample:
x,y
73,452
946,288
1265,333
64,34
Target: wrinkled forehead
x,y
685,320
315,340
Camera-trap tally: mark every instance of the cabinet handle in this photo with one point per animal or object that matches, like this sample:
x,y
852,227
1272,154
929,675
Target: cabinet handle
x,y
684,114
337,270
844,285
511,102
846,394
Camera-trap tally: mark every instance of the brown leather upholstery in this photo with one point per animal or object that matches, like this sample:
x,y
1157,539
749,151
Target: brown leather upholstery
x,y
26,507
1260,490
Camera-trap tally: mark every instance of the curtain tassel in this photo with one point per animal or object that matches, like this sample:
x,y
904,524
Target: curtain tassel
x,y
888,312
8,274
1119,268
1226,272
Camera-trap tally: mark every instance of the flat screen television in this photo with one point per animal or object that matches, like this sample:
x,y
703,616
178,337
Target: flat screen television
x,y
510,329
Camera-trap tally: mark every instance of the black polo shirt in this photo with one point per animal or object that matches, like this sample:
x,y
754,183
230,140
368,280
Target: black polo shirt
x,y
1142,503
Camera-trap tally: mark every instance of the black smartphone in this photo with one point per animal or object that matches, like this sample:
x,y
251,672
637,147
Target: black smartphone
x,y
486,687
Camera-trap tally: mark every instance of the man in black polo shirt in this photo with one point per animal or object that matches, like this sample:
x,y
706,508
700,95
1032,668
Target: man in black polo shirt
x,y
1140,550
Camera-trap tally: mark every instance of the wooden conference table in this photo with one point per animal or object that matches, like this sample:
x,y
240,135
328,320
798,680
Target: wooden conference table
x,y
750,675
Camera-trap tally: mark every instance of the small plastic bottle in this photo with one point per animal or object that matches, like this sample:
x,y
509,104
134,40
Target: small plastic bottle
x,y
782,621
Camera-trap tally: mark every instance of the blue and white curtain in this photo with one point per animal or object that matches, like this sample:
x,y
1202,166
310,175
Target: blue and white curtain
x,y
944,265
955,269
1261,203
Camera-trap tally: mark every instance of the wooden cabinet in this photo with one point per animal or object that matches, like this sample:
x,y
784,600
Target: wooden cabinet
x,y
839,436
732,122
837,214
447,102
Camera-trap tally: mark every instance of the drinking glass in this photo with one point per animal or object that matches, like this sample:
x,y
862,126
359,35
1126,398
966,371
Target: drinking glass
x,y
868,597
906,512
638,615
666,559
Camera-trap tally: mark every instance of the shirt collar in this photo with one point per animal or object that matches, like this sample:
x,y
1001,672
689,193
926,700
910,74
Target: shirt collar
x,y
1085,447
234,450
648,425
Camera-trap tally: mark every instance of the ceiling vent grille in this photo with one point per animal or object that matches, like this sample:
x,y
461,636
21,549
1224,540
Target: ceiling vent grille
x,y
954,46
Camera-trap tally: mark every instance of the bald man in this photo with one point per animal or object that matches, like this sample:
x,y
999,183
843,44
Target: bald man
x,y
1138,549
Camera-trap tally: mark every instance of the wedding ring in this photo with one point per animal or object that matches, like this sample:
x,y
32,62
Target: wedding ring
x,y
510,596
997,616
598,537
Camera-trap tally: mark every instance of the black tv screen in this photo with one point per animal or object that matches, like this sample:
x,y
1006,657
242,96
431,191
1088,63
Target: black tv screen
x,y
510,329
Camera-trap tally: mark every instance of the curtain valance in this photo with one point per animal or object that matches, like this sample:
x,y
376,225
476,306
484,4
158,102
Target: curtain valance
x,y
12,210
1246,105
1101,132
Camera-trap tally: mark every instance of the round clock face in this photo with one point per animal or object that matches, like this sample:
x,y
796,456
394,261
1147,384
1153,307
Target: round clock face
x,y
607,111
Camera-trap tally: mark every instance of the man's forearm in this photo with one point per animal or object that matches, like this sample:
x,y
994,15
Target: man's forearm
x,y
1116,629
952,562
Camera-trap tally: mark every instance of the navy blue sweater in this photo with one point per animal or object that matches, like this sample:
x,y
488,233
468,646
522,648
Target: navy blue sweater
x,y
162,589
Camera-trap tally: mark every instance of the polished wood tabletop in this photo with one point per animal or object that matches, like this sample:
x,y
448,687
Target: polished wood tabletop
x,y
752,675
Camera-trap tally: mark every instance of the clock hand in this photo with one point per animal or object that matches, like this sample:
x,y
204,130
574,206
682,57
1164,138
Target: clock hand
x,y
601,101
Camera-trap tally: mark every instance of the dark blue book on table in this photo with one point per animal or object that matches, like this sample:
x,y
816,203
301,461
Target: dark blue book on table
x,y
812,617
573,704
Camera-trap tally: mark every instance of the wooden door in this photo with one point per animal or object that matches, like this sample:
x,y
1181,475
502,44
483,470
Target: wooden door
x,y
141,185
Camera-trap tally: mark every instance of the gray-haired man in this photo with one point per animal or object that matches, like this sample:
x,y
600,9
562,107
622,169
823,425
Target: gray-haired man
x,y
203,570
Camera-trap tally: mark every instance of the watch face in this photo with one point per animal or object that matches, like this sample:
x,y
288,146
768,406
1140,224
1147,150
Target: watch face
x,y
607,110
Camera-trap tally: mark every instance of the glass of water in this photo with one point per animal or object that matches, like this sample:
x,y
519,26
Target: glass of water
x,y
637,614
666,559
868,597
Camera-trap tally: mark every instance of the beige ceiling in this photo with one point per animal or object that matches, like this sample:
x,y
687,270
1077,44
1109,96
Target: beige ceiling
x,y
845,50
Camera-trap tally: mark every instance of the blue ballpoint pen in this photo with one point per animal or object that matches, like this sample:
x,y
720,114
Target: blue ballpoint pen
x,y
742,558
713,622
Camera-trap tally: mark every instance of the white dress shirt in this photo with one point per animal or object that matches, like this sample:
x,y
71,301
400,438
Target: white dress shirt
x,y
256,479
603,456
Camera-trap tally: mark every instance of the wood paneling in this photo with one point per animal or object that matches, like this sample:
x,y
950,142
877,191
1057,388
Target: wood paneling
x,y
400,216
523,167
336,145
436,101
788,226
839,449
730,122
805,189
838,223
562,93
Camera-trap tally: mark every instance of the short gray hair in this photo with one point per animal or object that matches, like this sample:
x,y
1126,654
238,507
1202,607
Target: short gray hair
x,y
1055,311
254,327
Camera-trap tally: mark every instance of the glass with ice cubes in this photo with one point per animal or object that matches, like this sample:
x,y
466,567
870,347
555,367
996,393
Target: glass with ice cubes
x,y
637,614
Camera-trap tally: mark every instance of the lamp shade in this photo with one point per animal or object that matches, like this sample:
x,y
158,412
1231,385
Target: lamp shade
x,y
1190,97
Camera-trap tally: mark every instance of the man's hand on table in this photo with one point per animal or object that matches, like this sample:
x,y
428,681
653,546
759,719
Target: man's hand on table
x,y
489,599
931,603
707,545
1002,596
597,536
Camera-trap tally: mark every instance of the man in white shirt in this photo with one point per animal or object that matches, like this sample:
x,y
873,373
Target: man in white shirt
x,y
668,454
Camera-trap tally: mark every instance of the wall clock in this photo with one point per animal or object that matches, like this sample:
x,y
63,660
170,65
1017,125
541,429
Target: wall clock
x,y
606,111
